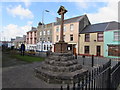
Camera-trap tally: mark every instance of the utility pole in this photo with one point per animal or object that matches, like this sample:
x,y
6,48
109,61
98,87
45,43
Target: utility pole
x,y
43,27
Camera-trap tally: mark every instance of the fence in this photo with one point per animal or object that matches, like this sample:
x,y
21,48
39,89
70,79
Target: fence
x,y
103,77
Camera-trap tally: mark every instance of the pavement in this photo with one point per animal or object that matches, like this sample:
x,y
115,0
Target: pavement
x,y
22,75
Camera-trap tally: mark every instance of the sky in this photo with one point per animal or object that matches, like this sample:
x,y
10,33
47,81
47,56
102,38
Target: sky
x,y
18,16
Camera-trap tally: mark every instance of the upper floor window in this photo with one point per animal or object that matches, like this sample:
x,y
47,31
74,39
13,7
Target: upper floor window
x,y
100,37
57,29
35,33
48,38
87,37
71,37
71,27
44,32
40,33
48,32
40,39
117,35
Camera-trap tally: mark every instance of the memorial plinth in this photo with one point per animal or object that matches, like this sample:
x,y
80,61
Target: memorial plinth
x,y
61,47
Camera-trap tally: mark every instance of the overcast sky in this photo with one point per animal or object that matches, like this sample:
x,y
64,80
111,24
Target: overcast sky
x,y
18,16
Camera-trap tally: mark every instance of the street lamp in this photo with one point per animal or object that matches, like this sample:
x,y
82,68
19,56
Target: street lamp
x,y
43,27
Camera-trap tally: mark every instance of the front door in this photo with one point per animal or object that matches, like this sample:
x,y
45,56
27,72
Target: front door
x,y
98,50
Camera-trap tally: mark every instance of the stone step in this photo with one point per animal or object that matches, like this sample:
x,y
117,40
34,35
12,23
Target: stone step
x,y
61,63
58,58
70,68
59,77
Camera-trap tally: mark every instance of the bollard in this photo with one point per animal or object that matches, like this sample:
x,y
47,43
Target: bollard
x,y
75,56
83,58
92,60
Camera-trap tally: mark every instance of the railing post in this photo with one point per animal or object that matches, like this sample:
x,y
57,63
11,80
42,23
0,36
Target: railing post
x,y
61,88
83,58
92,60
78,85
109,76
73,86
68,88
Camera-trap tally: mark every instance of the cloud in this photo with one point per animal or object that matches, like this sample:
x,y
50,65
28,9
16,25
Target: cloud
x,y
13,30
105,14
27,2
20,11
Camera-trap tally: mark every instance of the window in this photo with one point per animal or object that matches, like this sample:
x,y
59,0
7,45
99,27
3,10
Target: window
x,y
48,32
40,39
117,35
48,38
87,37
57,29
71,37
44,47
40,33
44,32
71,27
47,47
64,28
57,37
86,49
100,37
114,50
35,34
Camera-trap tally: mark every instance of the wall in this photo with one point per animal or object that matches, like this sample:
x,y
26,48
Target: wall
x,y
92,44
67,34
109,39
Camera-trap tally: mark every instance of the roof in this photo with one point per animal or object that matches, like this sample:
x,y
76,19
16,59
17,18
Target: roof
x,y
22,39
74,19
33,29
101,27
113,26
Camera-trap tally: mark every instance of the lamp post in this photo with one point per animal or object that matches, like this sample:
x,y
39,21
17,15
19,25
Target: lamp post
x,y
43,27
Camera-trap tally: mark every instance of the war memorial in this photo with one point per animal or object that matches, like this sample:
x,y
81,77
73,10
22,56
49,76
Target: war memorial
x,y
60,66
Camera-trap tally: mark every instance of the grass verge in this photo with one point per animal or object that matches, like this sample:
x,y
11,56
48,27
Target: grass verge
x,y
28,58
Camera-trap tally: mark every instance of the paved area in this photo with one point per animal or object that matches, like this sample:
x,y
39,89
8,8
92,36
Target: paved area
x,y
23,77
97,61
21,74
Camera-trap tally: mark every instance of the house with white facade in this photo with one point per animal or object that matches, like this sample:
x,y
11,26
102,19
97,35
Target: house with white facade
x,y
44,36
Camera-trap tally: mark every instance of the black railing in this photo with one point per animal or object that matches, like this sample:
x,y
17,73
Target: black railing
x,y
103,77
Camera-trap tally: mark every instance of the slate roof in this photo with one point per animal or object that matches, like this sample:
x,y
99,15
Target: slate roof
x,y
74,19
22,39
113,26
101,27
33,29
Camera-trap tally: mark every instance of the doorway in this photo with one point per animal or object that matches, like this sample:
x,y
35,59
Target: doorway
x,y
98,50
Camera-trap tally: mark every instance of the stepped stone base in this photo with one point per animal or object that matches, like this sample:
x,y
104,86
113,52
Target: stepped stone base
x,y
60,68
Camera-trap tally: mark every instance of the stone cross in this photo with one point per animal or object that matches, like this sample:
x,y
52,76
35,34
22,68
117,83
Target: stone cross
x,y
61,12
